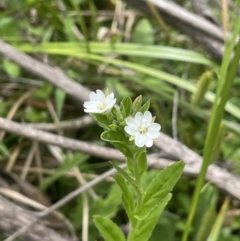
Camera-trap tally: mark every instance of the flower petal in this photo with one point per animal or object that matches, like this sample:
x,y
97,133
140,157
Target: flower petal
x,y
138,117
93,96
154,127
140,140
89,104
111,95
131,122
110,103
148,142
152,134
92,110
147,116
133,131
100,96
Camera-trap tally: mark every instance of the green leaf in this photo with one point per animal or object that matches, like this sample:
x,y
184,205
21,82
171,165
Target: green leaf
x,y
206,225
206,204
109,230
142,163
118,115
143,33
159,188
127,49
118,139
136,105
130,164
216,230
59,101
44,91
113,136
121,146
11,68
126,176
113,127
67,165
127,197
145,107
4,150
144,228
126,105
102,120
109,205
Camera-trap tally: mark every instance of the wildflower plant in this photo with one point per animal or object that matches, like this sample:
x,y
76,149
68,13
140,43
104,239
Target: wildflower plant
x,y
131,129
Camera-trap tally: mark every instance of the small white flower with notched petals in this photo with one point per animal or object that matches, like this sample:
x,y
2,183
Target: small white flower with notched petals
x,y
142,129
99,102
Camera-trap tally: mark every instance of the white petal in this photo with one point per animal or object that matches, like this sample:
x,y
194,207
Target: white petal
x,y
111,95
153,134
140,140
100,95
131,122
110,103
147,117
154,127
149,142
138,117
92,110
131,130
93,96
89,104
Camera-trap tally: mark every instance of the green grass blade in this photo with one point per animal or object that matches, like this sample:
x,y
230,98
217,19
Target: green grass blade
x,y
160,52
228,73
214,235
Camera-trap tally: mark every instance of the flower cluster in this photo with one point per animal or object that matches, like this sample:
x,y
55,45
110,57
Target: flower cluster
x,y
141,128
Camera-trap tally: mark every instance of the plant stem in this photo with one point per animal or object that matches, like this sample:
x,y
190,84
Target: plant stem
x,y
138,180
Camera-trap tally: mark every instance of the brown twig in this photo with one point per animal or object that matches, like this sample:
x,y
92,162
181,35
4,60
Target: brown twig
x,y
14,218
79,123
63,201
53,75
220,177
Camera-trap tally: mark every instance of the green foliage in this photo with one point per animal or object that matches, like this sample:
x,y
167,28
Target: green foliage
x,y
44,91
142,163
159,188
32,115
125,106
67,165
206,213
128,178
109,205
202,88
144,228
11,69
109,230
60,97
4,152
227,74
131,62
137,103
127,198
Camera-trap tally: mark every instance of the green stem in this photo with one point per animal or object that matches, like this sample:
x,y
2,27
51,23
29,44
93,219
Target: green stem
x,y
138,180
139,195
227,76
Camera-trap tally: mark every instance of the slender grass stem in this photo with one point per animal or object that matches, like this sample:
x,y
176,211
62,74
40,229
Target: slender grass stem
x,y
228,73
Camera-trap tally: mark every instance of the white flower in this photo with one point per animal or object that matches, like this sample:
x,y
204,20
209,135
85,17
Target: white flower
x,y
142,129
99,102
